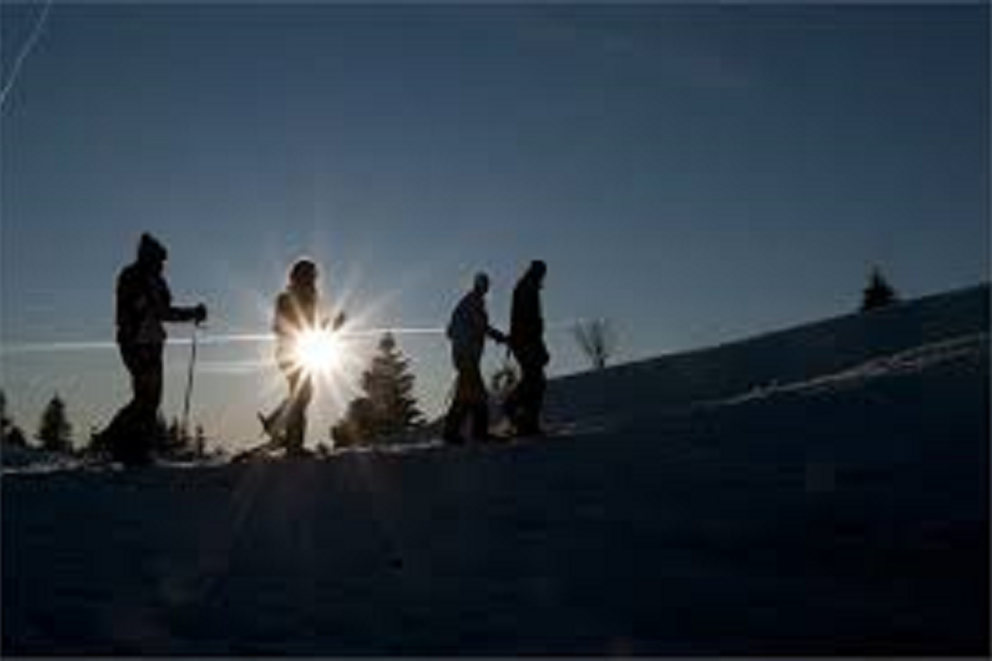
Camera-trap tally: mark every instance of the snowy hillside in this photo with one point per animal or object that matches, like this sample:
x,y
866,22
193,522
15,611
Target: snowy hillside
x,y
784,357
823,490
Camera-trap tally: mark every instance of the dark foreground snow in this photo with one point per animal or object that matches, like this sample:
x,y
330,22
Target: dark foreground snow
x,y
829,511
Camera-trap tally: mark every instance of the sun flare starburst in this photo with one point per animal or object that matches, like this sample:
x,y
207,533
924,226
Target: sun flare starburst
x,y
318,351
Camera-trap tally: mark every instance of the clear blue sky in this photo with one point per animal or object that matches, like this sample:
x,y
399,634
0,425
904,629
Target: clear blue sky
x,y
694,174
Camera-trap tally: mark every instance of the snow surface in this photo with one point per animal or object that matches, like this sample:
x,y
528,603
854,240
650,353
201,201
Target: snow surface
x,y
823,490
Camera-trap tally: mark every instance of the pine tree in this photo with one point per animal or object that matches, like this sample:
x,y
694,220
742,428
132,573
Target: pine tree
x,y
879,293
15,437
5,423
173,440
97,444
200,442
358,424
9,432
388,406
389,387
55,432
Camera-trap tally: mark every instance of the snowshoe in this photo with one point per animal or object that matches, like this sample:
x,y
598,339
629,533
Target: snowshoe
x,y
269,426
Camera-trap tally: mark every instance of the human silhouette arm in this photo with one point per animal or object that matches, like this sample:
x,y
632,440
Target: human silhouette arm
x,y
199,313
162,299
339,320
196,313
497,335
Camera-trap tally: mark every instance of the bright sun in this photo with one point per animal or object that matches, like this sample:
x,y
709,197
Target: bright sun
x,y
317,351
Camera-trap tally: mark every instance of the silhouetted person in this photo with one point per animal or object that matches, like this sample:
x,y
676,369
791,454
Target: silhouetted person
x,y
467,330
297,311
523,405
144,303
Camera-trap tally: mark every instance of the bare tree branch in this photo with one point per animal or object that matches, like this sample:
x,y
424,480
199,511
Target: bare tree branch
x,y
597,340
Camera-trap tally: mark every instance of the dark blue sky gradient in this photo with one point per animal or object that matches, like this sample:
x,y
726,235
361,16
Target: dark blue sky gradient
x,y
694,174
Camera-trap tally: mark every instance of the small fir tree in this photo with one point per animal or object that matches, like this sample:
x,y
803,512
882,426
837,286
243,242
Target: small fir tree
x,y
173,440
5,422
9,432
55,432
358,424
15,437
879,293
200,442
388,406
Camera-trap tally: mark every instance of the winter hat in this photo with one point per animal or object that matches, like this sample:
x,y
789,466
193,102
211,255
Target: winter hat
x,y
151,250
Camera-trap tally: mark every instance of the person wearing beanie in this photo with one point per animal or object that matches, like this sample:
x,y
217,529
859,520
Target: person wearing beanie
x,y
144,304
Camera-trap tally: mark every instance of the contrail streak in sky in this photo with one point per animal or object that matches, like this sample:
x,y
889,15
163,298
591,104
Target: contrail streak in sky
x,y
23,55
17,348
205,339
44,347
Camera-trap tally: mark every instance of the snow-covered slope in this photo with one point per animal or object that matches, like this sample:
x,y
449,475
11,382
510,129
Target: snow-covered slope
x,y
16,456
818,491
783,357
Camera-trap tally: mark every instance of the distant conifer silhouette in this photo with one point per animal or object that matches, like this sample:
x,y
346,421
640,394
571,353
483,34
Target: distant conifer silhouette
x,y
16,437
55,432
6,424
879,293
388,406
172,440
357,424
97,445
9,432
200,442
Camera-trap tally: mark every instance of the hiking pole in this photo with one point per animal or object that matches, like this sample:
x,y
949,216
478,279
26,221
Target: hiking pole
x,y
189,380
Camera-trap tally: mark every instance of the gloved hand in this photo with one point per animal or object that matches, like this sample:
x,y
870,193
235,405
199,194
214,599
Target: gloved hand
x,y
200,313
